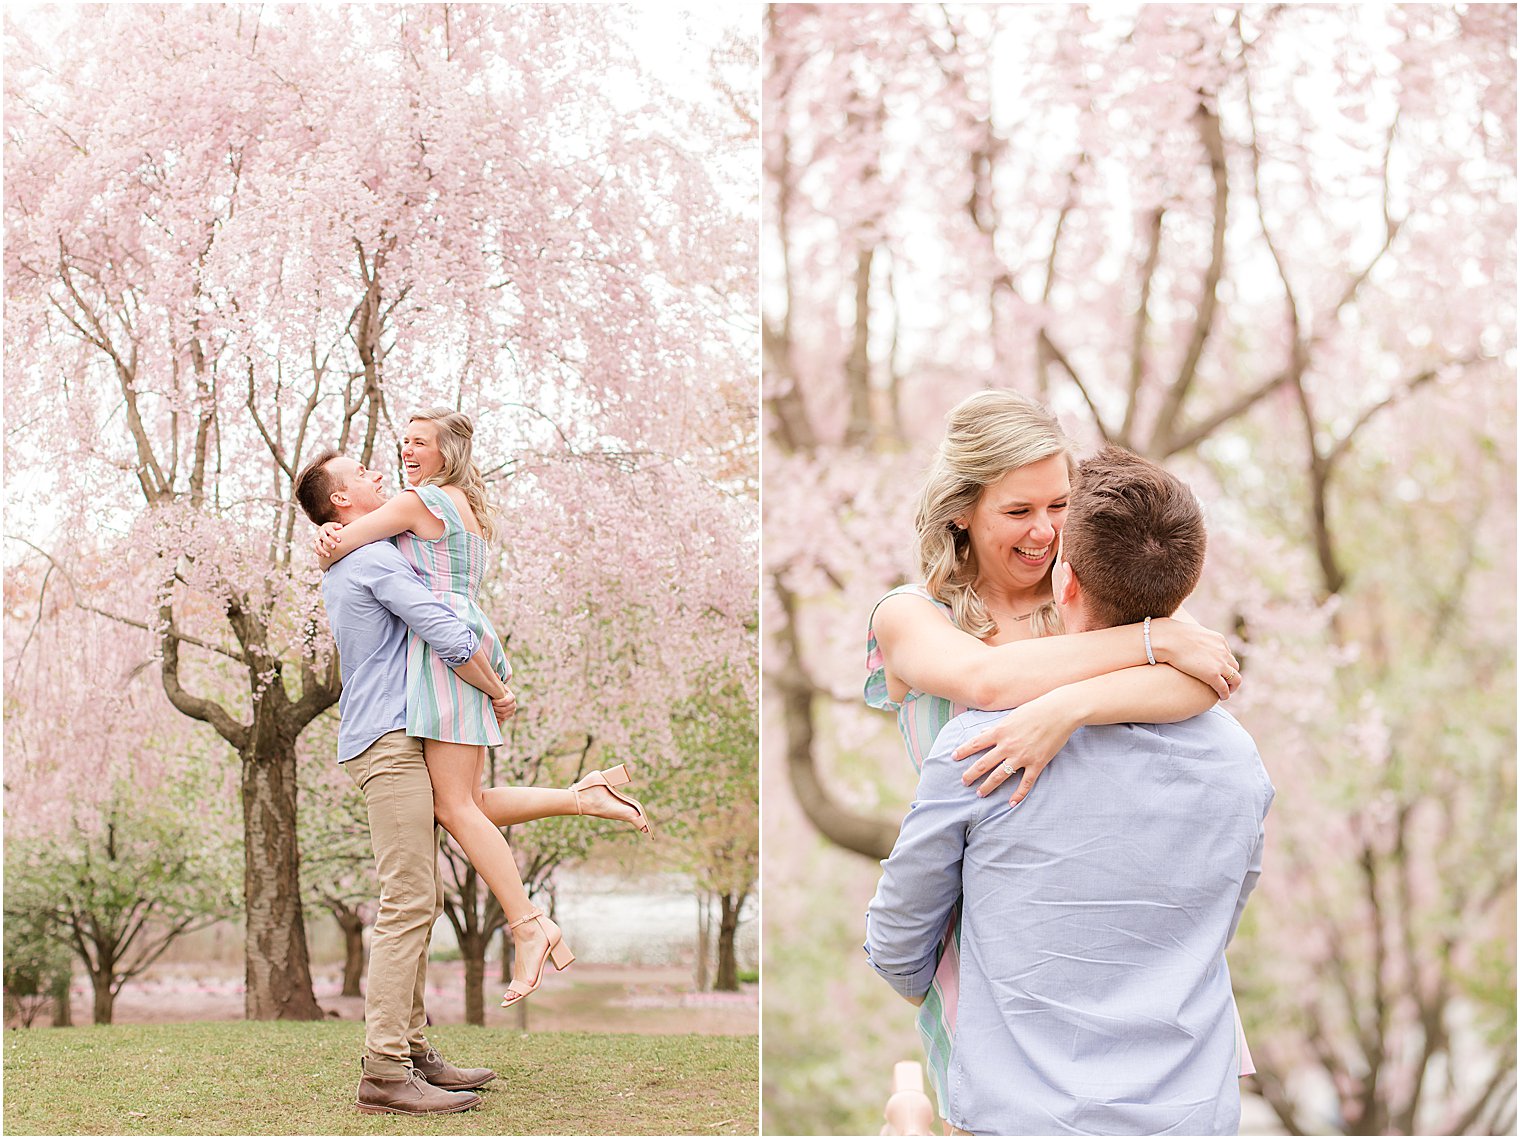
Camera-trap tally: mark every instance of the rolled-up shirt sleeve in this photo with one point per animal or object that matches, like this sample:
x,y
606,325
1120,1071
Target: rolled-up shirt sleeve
x,y
921,879
395,584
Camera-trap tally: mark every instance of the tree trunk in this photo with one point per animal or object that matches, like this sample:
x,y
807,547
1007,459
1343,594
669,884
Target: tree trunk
x,y
472,948
728,927
353,958
857,368
862,834
105,999
506,956
63,1013
277,964
704,941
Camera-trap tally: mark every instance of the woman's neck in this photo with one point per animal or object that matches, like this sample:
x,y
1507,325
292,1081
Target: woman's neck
x,y
1003,602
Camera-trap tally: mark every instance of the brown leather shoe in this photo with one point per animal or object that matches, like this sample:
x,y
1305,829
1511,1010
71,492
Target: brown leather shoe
x,y
411,1095
441,1074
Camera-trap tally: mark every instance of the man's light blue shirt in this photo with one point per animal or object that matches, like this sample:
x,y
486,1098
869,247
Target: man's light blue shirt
x,y
1094,995
373,596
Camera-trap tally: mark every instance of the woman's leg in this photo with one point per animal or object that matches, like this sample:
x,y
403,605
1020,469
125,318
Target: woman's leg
x,y
508,806
455,771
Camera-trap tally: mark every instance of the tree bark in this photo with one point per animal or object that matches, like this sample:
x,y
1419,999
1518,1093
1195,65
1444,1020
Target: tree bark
x,y
104,1005
704,941
857,368
353,945
728,927
277,964
864,835
472,948
63,1012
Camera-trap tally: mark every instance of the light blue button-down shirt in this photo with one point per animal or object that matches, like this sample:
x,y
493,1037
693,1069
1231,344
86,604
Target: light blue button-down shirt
x,y
1094,996
373,596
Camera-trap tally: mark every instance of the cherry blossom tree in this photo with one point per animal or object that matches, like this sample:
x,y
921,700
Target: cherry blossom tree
x,y
119,834
1273,248
712,809
235,235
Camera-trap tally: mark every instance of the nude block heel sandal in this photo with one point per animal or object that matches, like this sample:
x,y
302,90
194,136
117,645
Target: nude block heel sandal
x,y
557,952
612,778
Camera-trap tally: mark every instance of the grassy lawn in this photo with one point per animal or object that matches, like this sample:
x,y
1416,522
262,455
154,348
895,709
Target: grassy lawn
x,y
263,1078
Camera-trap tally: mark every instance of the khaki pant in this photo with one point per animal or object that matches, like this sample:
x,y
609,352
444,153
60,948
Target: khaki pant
x,y
399,796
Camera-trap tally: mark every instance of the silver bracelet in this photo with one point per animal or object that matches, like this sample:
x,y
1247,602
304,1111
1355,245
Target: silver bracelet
x,y
1150,657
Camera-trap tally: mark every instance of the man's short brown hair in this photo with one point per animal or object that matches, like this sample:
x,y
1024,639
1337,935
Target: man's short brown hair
x,y
1135,538
315,486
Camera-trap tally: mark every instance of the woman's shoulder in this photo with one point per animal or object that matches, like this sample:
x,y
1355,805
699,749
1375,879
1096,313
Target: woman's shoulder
x,y
912,589
876,661
447,502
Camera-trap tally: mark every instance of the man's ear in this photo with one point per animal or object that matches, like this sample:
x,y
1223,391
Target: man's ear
x,y
340,499
1071,588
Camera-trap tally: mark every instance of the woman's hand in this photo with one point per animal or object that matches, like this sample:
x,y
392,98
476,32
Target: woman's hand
x,y
1199,652
505,707
1027,737
327,539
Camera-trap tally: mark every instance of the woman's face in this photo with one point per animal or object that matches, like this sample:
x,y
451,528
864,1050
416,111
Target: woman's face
x,y
420,457
1015,522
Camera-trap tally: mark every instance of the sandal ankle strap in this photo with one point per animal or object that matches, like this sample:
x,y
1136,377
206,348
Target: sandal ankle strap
x,y
527,917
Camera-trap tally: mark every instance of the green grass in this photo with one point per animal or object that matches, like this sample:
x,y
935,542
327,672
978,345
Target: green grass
x,y
244,1078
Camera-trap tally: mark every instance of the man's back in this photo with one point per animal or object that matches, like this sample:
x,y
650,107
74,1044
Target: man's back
x,y
373,596
1094,994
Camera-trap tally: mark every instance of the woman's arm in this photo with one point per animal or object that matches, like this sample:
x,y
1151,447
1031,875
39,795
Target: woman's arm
x,y
1030,735
404,512
925,652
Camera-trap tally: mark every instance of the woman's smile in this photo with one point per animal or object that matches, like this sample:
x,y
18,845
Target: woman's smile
x,y
1035,555
1015,522
420,457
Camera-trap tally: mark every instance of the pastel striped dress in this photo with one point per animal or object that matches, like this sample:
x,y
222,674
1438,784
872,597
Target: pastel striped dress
x,y
440,706
920,717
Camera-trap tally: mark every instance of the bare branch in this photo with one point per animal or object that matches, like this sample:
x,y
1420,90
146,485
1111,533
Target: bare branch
x,y
1142,322
1401,392
1209,134
274,448
1238,406
870,837
196,707
1499,1084
1052,351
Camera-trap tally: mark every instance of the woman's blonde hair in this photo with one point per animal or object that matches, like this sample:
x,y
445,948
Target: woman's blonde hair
x,y
989,434
455,432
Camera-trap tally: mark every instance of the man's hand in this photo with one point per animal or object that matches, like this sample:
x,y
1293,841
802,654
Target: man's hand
x,y
505,707
327,539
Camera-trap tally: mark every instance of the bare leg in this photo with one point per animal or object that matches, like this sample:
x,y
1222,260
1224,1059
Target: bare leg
x,y
455,771
508,806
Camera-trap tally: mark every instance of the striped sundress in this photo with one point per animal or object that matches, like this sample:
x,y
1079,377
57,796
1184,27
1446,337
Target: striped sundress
x,y
920,717
440,706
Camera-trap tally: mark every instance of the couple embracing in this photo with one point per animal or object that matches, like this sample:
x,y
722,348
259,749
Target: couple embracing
x,y
1065,943
425,692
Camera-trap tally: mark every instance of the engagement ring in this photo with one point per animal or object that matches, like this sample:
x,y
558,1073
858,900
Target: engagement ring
x,y
1006,767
